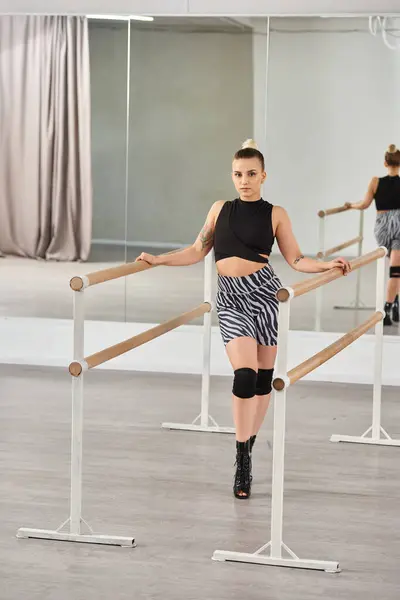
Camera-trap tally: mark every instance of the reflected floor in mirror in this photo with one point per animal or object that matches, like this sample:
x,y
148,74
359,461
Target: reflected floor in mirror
x,y
32,288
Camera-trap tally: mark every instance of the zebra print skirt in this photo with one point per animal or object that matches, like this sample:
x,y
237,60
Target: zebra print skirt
x,y
387,229
248,307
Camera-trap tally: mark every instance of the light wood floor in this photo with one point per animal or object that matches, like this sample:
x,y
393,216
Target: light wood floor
x,y
172,491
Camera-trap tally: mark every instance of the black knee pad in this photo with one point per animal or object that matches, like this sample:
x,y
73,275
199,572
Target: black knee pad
x,y
394,272
244,383
264,382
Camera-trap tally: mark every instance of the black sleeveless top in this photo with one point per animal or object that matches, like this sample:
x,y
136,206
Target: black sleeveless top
x,y
244,229
387,195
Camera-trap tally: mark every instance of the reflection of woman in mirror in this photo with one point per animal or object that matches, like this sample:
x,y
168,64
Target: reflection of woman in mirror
x,y
386,192
242,233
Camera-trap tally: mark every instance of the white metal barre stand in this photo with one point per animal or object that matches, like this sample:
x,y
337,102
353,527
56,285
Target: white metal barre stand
x,y
204,421
318,291
72,529
376,428
358,304
276,546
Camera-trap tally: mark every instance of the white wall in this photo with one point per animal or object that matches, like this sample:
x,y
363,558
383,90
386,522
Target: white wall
x,y
334,107
49,342
191,108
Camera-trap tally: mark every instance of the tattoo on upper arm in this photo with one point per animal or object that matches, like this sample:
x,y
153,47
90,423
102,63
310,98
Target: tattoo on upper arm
x,y
206,236
298,259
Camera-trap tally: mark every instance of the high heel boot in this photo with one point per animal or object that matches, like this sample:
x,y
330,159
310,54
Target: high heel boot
x,y
395,310
387,321
242,482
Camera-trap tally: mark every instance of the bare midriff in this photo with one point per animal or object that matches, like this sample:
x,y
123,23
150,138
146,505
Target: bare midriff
x,y
238,267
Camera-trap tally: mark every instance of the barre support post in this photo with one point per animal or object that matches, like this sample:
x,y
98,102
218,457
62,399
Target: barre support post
x,y
378,359
378,435
360,249
77,417
204,421
319,292
71,529
205,378
278,459
276,546
358,304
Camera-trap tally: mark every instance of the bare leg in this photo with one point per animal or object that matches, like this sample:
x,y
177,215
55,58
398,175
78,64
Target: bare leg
x,y
242,353
391,305
394,282
392,290
266,360
393,286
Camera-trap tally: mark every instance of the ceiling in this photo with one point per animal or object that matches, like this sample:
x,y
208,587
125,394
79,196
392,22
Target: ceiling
x,y
181,24
203,7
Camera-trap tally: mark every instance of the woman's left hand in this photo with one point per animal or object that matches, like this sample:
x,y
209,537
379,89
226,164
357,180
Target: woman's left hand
x,y
340,262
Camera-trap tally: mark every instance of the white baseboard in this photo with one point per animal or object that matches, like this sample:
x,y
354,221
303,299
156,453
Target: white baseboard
x,y
48,342
107,242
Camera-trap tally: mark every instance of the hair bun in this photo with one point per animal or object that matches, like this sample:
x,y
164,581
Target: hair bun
x,y
249,144
392,149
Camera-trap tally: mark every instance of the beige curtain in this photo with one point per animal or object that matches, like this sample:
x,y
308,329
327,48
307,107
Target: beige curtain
x,y
45,154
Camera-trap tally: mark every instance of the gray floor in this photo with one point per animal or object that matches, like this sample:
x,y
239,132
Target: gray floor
x,y
30,288
172,491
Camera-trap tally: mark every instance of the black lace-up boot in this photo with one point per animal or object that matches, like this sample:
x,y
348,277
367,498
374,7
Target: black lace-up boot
x,y
387,321
242,482
395,310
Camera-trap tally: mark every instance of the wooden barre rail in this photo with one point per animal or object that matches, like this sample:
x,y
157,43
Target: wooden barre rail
x,y
334,211
331,251
313,283
79,282
94,360
322,357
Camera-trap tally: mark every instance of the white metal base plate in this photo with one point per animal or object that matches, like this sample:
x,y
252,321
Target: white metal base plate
x,y
191,427
43,534
294,563
354,307
353,439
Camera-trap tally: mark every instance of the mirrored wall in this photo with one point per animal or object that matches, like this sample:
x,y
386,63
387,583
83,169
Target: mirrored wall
x,y
190,106
171,101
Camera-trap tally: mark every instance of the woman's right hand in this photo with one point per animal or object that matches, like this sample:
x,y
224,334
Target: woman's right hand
x,y
149,258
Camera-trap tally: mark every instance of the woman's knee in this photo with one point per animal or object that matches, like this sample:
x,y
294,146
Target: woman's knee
x,y
395,258
394,272
264,382
248,383
244,383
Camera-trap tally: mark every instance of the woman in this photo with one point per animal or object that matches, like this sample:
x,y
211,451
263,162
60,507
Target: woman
x,y
242,233
386,192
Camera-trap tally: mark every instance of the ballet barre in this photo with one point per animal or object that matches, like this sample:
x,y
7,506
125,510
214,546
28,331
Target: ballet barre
x,y
276,552
73,529
324,252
